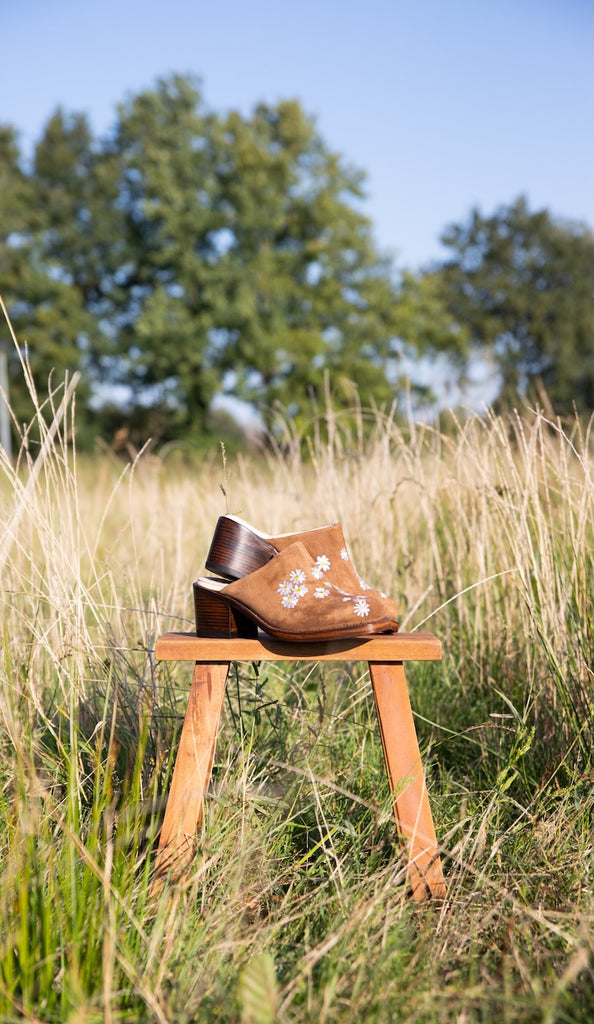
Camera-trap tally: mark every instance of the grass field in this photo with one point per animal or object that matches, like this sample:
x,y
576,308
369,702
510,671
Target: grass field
x,y
295,908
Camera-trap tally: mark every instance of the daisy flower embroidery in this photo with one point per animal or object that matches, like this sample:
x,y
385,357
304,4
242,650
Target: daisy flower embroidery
x,y
361,607
293,589
321,592
344,554
322,563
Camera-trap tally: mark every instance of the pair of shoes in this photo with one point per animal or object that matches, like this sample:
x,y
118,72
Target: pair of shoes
x,y
301,587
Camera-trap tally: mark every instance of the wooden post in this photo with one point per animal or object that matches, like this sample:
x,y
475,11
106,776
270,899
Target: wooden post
x,y
193,766
407,780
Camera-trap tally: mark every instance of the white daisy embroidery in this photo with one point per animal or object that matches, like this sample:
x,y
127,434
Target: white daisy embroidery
x,y
323,563
317,572
292,589
344,554
321,591
363,584
361,607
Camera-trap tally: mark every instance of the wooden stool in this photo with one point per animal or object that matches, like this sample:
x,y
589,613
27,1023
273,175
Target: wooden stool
x,y
385,655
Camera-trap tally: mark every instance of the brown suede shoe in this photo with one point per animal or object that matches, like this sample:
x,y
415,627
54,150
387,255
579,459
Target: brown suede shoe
x,y
290,598
238,549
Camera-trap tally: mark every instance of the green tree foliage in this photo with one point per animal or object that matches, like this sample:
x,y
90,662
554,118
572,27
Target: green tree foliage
x,y
50,224
307,294
249,268
520,283
167,291
15,203
189,254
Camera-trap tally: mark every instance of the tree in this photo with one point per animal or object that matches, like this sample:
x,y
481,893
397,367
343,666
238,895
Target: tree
x,y
521,284
249,268
188,254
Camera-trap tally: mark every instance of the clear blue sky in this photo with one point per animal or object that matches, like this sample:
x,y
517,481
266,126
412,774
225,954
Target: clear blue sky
x,y
445,103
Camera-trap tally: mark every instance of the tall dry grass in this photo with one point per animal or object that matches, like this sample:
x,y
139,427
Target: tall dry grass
x,y
296,909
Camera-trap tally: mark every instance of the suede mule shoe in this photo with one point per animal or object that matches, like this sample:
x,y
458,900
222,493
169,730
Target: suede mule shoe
x,y
238,549
289,598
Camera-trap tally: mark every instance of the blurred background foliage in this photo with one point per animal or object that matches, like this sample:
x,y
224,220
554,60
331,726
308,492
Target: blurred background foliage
x,y
189,256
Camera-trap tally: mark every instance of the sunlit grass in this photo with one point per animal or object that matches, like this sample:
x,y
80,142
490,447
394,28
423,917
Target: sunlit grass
x,y
295,908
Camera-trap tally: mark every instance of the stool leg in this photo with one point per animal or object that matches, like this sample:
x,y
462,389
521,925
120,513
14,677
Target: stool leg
x,y
407,781
193,766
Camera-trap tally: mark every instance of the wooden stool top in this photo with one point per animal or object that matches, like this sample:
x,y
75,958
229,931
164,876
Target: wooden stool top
x,y
386,648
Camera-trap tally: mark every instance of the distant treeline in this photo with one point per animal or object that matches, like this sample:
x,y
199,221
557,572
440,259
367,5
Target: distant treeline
x,y
189,254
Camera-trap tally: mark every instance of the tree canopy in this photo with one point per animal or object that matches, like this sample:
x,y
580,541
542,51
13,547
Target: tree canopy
x,y
521,284
190,254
